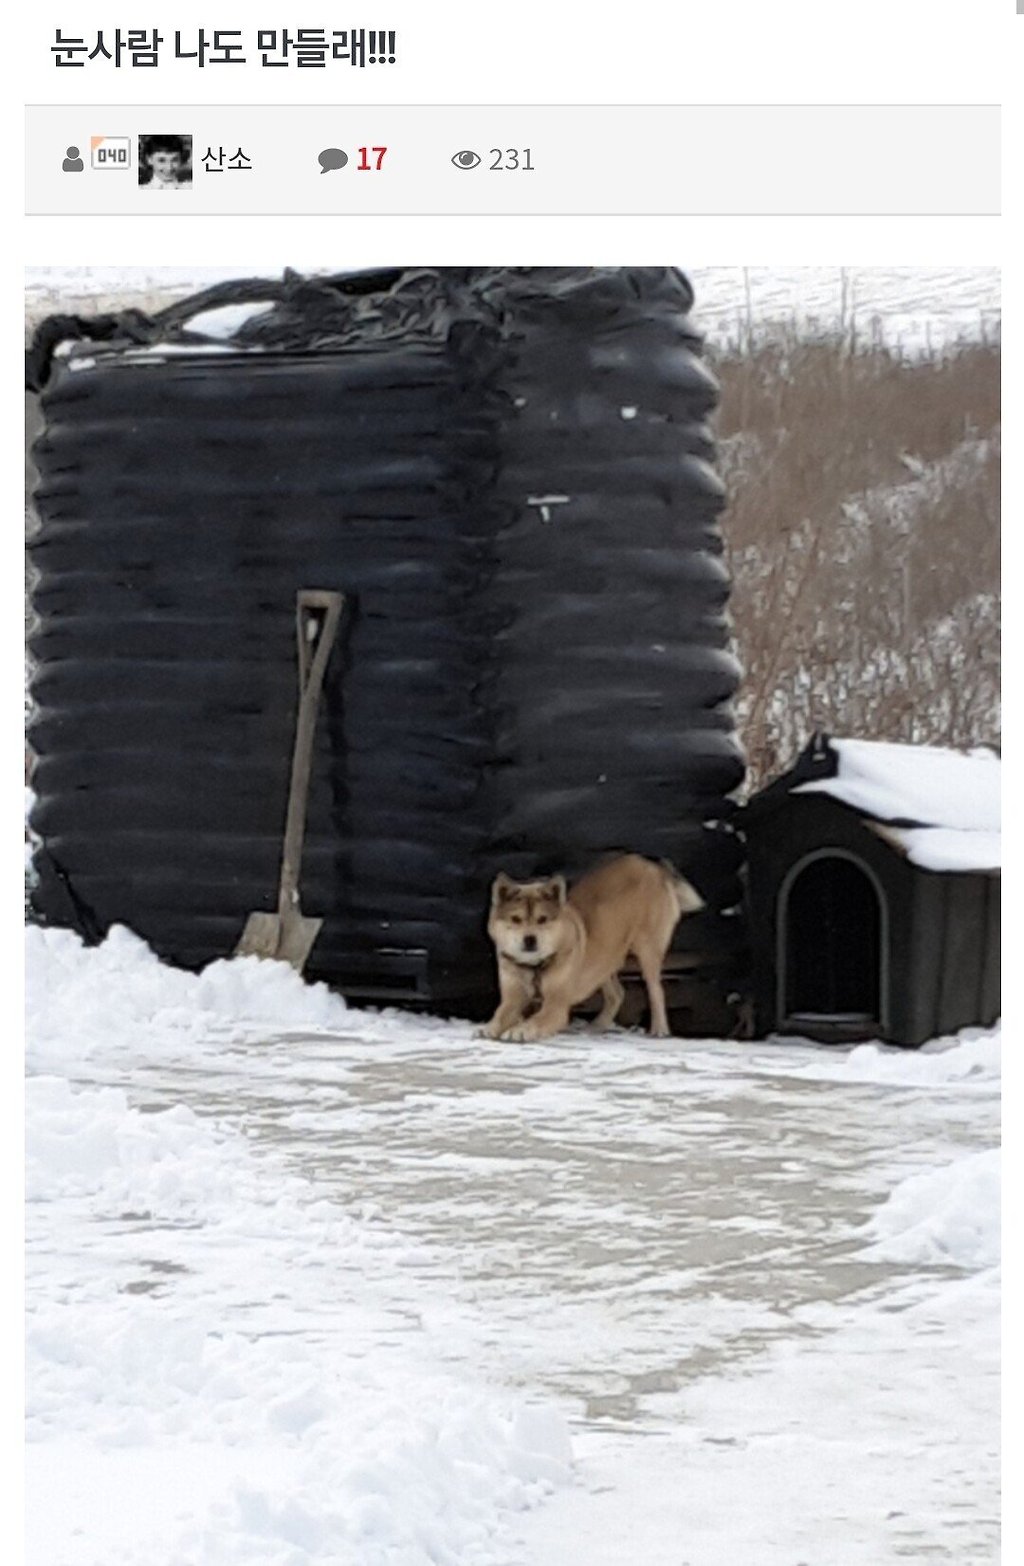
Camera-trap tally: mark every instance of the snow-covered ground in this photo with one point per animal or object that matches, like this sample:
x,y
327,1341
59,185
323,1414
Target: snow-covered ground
x,y
317,1287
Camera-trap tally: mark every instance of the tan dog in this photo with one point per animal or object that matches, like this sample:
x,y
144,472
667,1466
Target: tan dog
x,y
556,948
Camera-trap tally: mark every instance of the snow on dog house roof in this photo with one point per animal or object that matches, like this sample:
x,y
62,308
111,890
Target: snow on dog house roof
x,y
939,807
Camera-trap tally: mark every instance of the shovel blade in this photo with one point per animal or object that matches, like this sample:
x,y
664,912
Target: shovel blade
x,y
288,938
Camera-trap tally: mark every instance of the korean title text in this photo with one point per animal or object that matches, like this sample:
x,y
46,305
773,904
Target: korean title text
x,y
268,46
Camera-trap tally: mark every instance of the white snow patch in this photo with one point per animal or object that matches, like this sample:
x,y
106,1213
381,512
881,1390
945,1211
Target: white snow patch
x,y
973,1056
223,321
831,1448
942,1216
915,783
88,1142
78,1001
219,1313
944,848
280,1327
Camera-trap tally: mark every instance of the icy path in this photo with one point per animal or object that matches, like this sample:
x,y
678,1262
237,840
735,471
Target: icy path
x,y
382,1235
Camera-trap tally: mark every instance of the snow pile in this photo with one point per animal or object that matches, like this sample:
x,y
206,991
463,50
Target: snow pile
x,y
222,1318
414,1490
89,1143
975,1055
949,801
78,999
971,1058
944,1216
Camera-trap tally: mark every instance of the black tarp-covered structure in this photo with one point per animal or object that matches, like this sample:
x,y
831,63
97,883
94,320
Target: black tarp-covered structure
x,y
509,474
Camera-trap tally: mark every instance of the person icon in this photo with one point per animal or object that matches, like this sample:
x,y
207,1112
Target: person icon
x,y
72,163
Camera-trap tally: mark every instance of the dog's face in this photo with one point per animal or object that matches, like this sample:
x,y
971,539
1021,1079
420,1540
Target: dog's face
x,y
527,918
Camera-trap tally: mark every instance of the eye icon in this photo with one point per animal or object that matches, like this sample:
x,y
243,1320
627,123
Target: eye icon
x,y
466,160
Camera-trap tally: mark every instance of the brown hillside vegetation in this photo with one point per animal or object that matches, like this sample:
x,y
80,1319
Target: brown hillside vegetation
x,y
863,534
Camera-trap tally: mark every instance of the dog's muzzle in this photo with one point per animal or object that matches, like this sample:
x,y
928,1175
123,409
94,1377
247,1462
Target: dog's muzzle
x,y
525,959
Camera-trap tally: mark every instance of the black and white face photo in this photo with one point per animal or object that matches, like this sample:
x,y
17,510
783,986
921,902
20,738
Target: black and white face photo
x,y
165,162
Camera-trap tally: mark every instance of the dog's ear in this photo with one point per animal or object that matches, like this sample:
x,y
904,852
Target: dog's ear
x,y
501,887
557,888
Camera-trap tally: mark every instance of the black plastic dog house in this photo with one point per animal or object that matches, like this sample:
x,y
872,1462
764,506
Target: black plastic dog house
x,y
509,475
874,882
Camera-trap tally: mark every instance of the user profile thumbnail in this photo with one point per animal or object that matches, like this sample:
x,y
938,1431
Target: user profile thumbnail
x,y
165,162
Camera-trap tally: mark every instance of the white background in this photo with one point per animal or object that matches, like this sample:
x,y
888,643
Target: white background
x,y
721,51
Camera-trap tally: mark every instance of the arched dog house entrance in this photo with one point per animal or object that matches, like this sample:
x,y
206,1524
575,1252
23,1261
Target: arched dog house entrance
x,y
832,944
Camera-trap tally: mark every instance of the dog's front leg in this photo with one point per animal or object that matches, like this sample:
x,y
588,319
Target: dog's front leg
x,y
552,1018
516,996
510,1011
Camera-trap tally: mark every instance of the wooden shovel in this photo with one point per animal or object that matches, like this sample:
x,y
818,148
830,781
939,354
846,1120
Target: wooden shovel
x,y
287,935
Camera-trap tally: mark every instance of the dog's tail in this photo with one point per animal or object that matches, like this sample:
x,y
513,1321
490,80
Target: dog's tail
x,y
687,897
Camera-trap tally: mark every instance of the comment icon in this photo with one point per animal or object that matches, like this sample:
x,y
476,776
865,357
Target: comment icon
x,y
332,158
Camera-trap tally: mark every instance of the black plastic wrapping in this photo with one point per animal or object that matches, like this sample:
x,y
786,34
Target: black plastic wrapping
x,y
508,472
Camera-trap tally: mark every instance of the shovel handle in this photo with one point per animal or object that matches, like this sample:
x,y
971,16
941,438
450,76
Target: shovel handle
x,y
317,614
